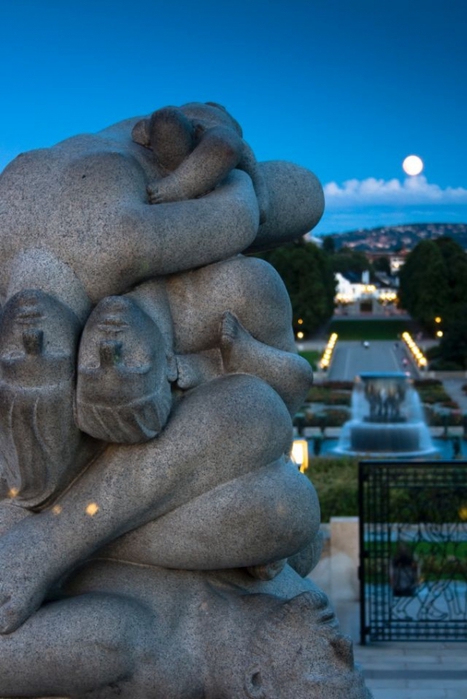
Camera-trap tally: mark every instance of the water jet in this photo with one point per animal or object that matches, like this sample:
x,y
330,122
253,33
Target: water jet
x,y
387,419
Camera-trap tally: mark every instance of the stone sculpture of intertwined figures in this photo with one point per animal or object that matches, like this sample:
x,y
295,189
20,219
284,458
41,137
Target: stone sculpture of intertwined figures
x,y
153,529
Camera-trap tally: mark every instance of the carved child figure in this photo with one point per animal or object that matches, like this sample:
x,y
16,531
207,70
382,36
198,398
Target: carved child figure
x,y
196,146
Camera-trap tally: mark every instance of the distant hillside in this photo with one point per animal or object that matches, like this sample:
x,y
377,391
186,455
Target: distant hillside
x,y
395,238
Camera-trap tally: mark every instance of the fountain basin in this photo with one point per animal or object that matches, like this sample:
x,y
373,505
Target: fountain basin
x,y
387,419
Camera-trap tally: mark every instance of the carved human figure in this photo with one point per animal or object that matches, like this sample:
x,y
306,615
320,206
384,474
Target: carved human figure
x,y
205,483
211,344
195,146
154,634
204,325
76,225
43,268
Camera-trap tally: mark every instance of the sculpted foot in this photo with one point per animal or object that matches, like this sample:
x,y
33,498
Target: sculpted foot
x,y
268,571
287,373
236,344
123,389
167,189
195,369
232,334
188,375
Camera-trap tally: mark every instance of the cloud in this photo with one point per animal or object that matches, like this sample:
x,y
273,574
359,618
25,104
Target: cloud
x,y
413,191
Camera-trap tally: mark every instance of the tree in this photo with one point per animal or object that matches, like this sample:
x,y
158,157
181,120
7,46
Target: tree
x,y
382,264
424,290
348,260
310,282
456,275
328,244
433,282
453,346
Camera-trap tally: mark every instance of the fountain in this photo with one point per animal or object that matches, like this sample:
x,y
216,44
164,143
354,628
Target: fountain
x,y
387,419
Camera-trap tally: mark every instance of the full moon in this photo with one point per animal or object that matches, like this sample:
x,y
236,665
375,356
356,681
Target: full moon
x,y
412,165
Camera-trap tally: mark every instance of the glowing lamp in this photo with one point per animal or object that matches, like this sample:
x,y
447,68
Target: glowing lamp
x,y
299,454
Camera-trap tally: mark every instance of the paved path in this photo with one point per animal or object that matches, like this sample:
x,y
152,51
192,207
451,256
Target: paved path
x,y
352,358
415,670
406,670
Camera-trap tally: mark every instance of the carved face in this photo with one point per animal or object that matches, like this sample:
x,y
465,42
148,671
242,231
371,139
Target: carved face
x,y
123,392
38,435
118,319
299,652
36,325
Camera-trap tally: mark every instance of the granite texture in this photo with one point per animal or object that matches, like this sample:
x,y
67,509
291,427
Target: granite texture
x,y
153,530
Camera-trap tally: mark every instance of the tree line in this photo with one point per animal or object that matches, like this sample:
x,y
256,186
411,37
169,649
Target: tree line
x,y
433,289
308,274
433,285
309,278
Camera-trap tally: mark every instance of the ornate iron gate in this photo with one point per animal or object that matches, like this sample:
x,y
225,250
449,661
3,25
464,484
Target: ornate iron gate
x,y
413,550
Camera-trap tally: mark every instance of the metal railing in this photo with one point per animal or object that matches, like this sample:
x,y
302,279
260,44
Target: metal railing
x,y
413,550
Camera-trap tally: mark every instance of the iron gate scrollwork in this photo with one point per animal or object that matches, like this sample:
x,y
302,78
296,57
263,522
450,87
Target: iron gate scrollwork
x,y
413,550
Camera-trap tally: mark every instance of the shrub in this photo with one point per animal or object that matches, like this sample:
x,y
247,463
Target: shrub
x,y
339,398
336,482
318,394
421,383
445,365
338,385
431,392
451,404
435,418
326,418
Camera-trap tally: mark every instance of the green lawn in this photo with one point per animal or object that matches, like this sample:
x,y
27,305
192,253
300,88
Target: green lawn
x,y
312,356
369,329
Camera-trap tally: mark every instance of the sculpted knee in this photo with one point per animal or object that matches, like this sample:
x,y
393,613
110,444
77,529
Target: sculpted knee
x,y
239,415
293,511
251,407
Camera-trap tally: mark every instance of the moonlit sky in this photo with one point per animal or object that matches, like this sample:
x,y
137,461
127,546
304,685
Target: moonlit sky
x,y
348,88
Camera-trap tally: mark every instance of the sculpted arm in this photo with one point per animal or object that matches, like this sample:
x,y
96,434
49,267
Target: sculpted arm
x,y
217,152
130,486
249,164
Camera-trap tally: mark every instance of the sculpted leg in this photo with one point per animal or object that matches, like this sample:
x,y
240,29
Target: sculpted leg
x,y
290,375
92,641
231,285
260,517
218,432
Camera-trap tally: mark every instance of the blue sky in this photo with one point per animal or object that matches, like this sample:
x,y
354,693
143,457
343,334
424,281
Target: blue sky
x,y
347,88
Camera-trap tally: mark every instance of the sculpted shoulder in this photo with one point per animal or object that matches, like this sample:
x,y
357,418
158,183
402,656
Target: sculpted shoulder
x,y
83,166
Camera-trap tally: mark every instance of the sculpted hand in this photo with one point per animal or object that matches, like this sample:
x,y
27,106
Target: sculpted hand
x,y
165,190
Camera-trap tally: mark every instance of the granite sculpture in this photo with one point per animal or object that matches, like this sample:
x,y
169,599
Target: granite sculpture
x,y
152,523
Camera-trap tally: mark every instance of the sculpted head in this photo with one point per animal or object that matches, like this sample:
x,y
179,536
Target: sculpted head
x,y
38,338
124,374
38,342
297,651
171,133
